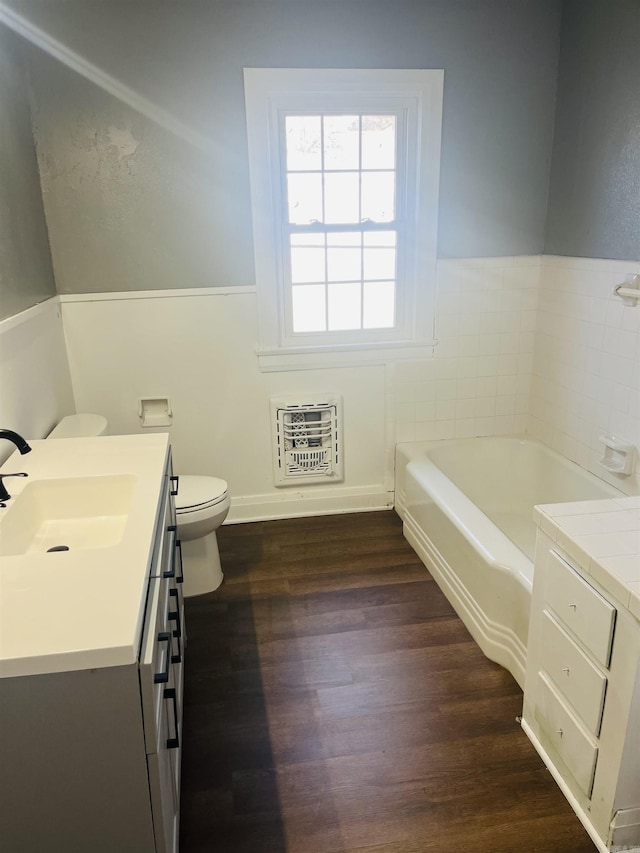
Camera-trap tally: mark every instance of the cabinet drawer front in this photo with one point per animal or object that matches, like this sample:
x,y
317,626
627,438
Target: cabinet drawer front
x,y
577,749
164,556
587,614
155,659
577,678
165,798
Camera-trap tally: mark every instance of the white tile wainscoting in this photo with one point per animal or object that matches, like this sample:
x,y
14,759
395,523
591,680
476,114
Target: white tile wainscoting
x,y
480,379
526,344
586,367
537,345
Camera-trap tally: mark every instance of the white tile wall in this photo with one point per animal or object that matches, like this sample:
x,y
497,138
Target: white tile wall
x,y
586,371
479,381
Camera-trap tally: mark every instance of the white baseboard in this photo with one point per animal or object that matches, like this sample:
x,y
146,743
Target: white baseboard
x,y
301,503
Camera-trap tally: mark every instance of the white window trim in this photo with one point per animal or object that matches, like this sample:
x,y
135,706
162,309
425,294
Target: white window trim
x,y
267,91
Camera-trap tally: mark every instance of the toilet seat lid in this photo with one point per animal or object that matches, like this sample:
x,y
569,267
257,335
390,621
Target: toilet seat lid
x,y
196,492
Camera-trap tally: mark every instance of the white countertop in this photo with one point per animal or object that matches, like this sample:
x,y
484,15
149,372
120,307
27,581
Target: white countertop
x,y
603,537
81,609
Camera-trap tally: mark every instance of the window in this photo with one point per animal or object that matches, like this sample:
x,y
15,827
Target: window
x,y
344,171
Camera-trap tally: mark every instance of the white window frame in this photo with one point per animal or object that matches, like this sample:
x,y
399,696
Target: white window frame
x,y
414,95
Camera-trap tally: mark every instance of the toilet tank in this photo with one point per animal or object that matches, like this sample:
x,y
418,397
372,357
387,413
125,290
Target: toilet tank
x,y
79,426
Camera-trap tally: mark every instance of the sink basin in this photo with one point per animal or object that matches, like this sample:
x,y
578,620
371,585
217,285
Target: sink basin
x,y
67,514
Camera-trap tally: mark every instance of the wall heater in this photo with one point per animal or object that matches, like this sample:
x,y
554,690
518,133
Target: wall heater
x,y
307,440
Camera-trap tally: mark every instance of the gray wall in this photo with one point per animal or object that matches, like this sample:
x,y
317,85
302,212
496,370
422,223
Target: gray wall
x,y
26,277
594,197
133,206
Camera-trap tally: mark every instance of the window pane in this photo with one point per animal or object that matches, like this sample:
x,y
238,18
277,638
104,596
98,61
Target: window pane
x,y
345,265
378,196
304,194
303,143
307,239
380,238
341,142
378,142
344,307
307,265
309,309
341,198
345,238
379,263
379,304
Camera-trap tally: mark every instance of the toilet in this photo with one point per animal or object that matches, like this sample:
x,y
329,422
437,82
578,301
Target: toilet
x,y
202,505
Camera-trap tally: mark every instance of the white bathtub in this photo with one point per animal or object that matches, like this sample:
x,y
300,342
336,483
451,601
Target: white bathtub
x,y
467,507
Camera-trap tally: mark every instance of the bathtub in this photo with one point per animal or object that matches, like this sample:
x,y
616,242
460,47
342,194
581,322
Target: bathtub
x,y
467,507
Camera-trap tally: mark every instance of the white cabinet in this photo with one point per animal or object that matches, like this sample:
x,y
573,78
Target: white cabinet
x,y
582,695
90,759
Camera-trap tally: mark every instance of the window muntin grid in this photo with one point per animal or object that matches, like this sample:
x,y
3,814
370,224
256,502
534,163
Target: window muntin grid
x,y
341,229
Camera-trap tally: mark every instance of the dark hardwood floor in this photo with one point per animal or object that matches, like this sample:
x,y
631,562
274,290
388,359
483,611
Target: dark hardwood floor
x,y
335,703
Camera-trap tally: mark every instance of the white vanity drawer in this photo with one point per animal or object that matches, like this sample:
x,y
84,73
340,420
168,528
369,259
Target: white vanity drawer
x,y
587,614
577,678
577,749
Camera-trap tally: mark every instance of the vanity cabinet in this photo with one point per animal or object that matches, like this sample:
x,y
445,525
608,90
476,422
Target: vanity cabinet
x,y
161,677
90,758
582,695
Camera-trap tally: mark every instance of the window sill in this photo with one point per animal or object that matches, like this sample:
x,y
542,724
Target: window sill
x,y
324,358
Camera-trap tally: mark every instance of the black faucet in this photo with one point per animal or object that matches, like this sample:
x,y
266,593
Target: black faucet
x,y
23,447
4,494
18,440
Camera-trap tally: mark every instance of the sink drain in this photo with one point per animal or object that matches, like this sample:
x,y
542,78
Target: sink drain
x,y
57,548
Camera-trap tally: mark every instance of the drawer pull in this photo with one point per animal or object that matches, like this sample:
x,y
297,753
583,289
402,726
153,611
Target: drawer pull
x,y
173,742
174,482
174,615
171,573
566,670
573,606
180,577
162,677
558,731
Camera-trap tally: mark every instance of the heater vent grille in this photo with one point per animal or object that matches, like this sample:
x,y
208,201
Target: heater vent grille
x,y
307,440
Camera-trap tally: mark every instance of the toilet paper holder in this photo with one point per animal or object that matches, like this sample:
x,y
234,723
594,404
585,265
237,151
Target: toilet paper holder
x,y
155,412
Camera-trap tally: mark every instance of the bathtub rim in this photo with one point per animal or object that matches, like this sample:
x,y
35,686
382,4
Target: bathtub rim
x,y
407,451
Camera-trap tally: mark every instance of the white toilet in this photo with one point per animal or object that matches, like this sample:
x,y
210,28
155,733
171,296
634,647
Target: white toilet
x,y
202,505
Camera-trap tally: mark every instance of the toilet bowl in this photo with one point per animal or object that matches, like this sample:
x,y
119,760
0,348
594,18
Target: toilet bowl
x,y
202,505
